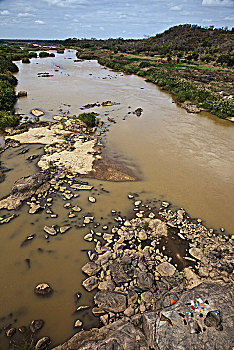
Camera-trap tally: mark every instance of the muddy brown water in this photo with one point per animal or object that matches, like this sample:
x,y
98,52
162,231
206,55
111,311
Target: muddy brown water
x,y
183,158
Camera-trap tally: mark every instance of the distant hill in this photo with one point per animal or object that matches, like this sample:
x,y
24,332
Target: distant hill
x,y
186,41
191,37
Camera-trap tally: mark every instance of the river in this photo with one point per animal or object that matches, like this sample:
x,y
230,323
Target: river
x,y
186,159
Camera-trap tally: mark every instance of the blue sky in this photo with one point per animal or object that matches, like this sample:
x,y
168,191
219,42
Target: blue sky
x,y
60,19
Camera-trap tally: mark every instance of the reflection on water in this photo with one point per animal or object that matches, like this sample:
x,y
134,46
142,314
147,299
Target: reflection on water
x,y
184,158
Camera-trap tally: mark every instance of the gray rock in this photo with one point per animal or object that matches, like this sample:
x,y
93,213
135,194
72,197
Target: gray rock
x,y
22,94
110,301
78,323
166,269
175,330
118,335
81,187
91,268
34,208
36,325
147,297
43,289
90,283
106,285
50,230
129,311
64,229
196,253
145,281
10,332
25,188
42,343
118,274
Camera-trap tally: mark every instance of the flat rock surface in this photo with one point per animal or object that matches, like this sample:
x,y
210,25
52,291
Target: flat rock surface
x,y
118,335
24,188
110,301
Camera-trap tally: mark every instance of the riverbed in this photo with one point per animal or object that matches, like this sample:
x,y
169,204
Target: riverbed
x,y
183,158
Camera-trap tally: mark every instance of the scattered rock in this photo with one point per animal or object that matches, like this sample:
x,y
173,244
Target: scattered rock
x,y
42,343
196,253
90,283
34,208
43,289
166,269
50,230
91,268
22,94
37,112
36,325
78,323
64,229
10,332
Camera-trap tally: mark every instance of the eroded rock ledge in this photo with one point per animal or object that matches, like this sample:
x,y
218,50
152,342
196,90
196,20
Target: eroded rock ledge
x,y
172,329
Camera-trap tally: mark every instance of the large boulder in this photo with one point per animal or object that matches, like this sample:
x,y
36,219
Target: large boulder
x,y
200,320
119,335
110,301
91,268
25,188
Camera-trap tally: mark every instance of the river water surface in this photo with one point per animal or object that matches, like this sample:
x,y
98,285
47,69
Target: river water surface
x,y
186,159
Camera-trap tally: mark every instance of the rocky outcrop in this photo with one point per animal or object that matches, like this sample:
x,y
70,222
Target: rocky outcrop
x,y
24,188
119,335
201,319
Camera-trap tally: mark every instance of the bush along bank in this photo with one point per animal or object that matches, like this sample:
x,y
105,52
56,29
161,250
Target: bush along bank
x,y
7,92
191,93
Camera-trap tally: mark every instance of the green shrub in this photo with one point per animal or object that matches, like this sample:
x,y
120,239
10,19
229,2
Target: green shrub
x,y
88,118
7,96
9,78
43,54
25,60
8,120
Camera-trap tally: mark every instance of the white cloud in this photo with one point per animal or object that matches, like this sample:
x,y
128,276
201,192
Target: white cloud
x,y
101,28
217,2
4,12
66,3
25,14
38,21
175,8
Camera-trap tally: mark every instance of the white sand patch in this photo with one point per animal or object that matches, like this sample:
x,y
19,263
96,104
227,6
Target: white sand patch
x,y
76,161
42,135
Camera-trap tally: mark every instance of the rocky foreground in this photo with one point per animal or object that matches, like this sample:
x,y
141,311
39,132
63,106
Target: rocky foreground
x,y
149,294
144,300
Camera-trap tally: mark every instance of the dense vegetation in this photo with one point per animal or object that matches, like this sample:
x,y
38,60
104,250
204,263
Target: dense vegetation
x,y
88,118
193,63
7,91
